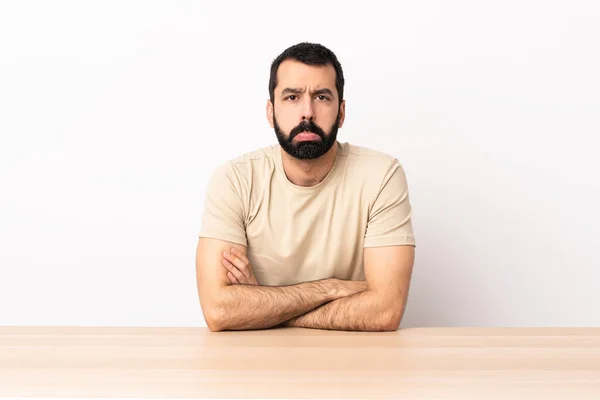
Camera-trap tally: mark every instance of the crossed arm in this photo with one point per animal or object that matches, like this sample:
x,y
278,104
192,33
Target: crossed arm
x,y
232,300
378,308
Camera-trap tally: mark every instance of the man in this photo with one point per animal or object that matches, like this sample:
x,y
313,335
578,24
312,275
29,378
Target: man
x,y
309,232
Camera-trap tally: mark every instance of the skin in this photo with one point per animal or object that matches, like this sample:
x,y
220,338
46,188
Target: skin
x,y
290,109
378,307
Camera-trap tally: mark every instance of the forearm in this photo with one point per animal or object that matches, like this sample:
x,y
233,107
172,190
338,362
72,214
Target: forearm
x,y
244,307
364,311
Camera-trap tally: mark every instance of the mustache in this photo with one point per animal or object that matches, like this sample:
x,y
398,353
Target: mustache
x,y
307,126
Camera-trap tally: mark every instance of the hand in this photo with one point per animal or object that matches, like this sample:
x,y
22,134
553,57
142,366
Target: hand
x,y
343,288
238,268
339,288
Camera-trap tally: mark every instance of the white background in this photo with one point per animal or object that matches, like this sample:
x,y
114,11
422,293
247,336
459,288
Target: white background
x,y
113,115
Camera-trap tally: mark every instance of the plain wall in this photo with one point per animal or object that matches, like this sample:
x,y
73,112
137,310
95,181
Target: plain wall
x,y
114,114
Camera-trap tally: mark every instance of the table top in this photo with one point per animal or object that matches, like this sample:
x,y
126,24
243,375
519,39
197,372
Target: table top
x,y
189,362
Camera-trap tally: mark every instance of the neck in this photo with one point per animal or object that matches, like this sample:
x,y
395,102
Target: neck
x,y
308,172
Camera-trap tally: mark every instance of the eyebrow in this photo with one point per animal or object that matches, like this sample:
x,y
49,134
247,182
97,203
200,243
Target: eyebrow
x,y
297,91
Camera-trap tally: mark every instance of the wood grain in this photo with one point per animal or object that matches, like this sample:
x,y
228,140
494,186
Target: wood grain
x,y
413,363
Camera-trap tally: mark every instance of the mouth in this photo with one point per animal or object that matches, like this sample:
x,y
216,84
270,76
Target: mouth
x,y
304,136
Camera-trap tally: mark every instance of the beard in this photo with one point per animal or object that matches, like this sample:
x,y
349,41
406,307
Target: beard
x,y
308,149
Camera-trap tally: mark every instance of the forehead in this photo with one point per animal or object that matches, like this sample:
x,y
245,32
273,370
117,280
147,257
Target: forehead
x,y
294,74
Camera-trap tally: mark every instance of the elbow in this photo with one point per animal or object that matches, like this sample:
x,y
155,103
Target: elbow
x,y
390,321
213,327
390,325
213,324
214,315
214,319
216,312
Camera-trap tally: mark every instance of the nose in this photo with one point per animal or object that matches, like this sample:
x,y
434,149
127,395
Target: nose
x,y
307,111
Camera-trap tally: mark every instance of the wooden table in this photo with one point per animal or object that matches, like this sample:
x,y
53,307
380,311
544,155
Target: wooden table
x,y
417,363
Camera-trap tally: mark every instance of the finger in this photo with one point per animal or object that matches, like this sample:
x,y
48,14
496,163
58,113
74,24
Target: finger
x,y
238,263
247,269
232,278
235,259
241,278
240,255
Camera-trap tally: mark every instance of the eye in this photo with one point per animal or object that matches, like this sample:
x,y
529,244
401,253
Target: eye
x,y
291,97
322,97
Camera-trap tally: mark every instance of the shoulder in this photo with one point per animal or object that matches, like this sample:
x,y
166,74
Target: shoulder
x,y
361,160
262,155
240,170
374,171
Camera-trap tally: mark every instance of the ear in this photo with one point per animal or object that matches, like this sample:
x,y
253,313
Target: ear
x,y
270,113
342,113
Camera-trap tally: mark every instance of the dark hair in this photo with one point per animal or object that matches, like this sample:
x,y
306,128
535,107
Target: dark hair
x,y
309,54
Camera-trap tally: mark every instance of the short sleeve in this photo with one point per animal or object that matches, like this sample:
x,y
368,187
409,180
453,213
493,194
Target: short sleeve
x,y
224,217
390,217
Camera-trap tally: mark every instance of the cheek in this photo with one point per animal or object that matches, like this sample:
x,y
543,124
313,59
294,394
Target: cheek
x,y
325,118
288,119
